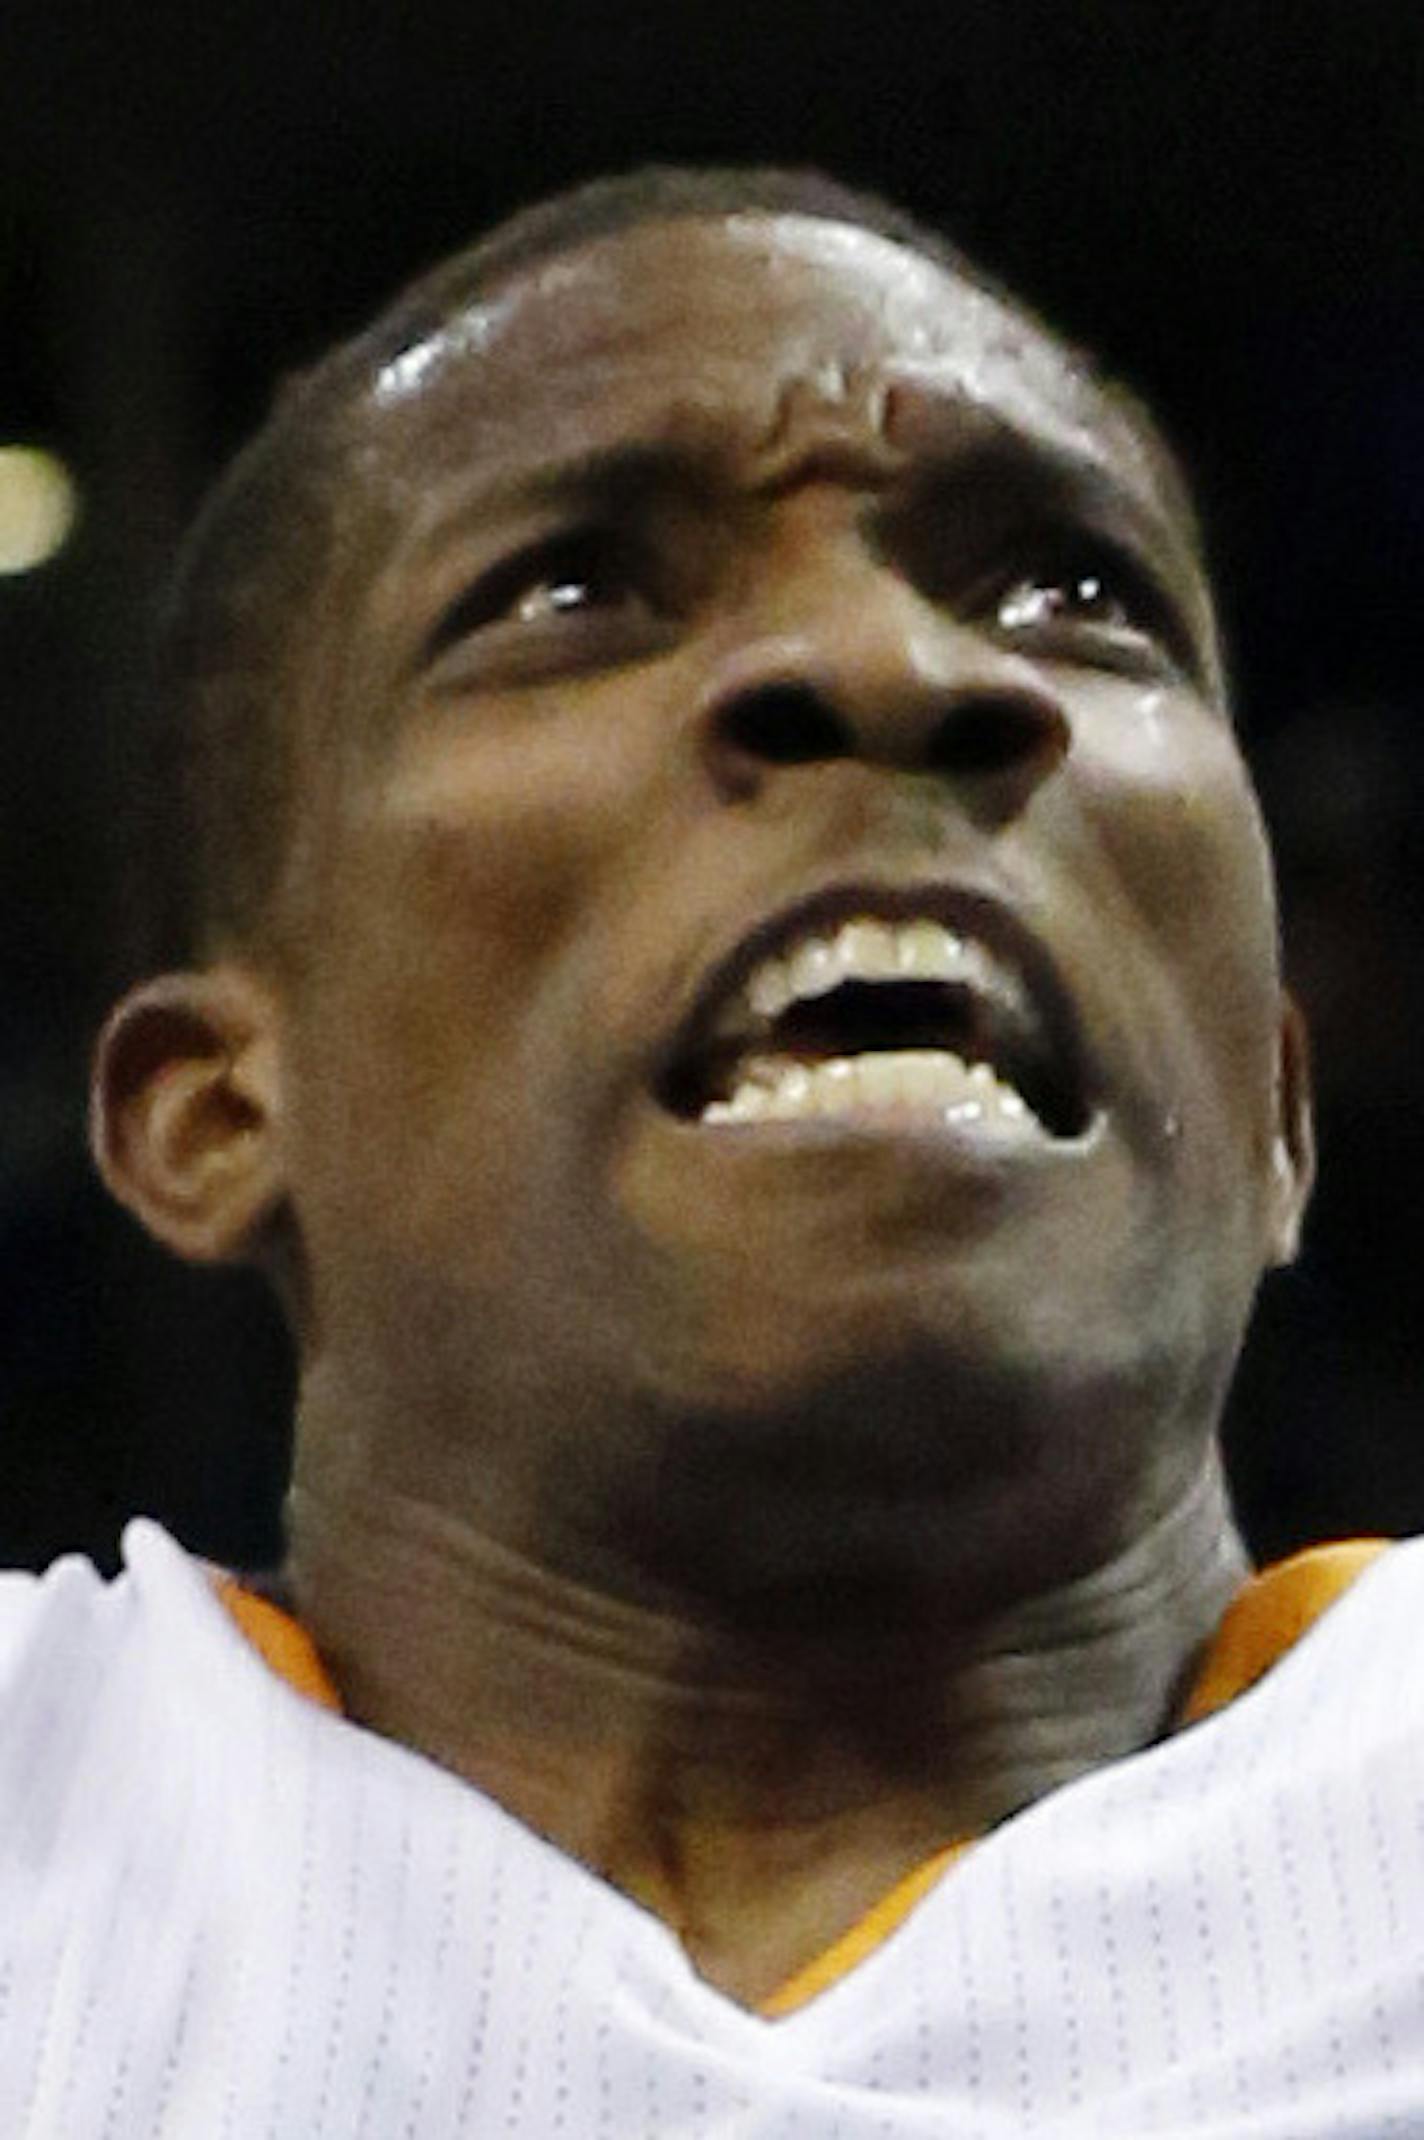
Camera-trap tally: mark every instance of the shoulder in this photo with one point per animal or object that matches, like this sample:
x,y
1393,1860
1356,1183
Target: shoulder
x,y
51,1610
69,1624
1327,1644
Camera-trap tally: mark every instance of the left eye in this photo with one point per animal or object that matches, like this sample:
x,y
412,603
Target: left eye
x,y
1091,606
1087,596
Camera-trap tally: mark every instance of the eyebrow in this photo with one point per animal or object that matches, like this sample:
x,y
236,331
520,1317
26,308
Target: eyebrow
x,y
691,457
624,471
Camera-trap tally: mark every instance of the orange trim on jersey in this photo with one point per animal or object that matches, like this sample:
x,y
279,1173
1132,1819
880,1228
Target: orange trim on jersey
x,y
283,1641
869,1932
1270,1613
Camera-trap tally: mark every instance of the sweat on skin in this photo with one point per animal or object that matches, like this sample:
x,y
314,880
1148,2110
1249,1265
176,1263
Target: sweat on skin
x,y
750,1505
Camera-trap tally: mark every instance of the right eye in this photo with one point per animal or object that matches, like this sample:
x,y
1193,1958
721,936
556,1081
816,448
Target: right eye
x,y
578,574
591,576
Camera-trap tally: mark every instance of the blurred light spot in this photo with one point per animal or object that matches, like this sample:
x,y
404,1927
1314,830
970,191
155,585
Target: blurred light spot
x,y
38,507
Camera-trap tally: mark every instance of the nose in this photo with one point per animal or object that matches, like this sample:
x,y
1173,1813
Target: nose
x,y
885,677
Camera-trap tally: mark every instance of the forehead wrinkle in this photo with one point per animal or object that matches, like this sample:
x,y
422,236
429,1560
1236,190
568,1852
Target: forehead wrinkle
x,y
990,356
695,449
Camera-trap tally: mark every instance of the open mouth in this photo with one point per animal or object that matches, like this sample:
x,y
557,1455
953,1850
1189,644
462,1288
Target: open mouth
x,y
904,1005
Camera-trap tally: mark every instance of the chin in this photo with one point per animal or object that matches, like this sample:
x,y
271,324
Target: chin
x,y
895,1458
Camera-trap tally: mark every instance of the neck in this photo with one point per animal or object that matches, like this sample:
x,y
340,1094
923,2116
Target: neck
x,y
759,1793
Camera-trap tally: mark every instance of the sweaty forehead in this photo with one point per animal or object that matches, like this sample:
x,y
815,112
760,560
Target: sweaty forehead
x,y
713,322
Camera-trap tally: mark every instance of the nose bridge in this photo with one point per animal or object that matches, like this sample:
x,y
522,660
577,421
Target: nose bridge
x,y
892,674
831,615
883,651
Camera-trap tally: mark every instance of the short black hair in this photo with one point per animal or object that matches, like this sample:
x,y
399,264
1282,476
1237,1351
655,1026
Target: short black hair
x,y
259,555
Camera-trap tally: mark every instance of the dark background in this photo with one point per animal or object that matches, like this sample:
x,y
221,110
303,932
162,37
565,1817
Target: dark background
x,y
1226,199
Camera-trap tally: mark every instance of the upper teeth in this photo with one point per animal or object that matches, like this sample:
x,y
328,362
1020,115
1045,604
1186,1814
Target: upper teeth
x,y
865,950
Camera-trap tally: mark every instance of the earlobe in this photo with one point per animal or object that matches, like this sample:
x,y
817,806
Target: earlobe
x,y
185,1113
1293,1138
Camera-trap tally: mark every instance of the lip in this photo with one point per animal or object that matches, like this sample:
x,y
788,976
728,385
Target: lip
x,y
965,909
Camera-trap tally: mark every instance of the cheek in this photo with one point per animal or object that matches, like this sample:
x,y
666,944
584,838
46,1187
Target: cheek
x,y
467,896
1178,857
1176,823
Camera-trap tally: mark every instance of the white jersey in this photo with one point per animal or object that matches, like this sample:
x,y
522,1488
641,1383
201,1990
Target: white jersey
x,y
228,1914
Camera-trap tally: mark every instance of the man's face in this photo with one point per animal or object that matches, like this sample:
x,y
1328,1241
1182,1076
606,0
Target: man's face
x,y
769,653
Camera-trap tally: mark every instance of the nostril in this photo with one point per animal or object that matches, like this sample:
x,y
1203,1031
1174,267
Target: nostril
x,y
785,724
993,735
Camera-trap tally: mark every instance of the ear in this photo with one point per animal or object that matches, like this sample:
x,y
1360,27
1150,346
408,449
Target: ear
x,y
1293,1138
185,1111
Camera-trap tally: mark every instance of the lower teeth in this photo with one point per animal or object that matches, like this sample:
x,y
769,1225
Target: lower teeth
x,y
908,1081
